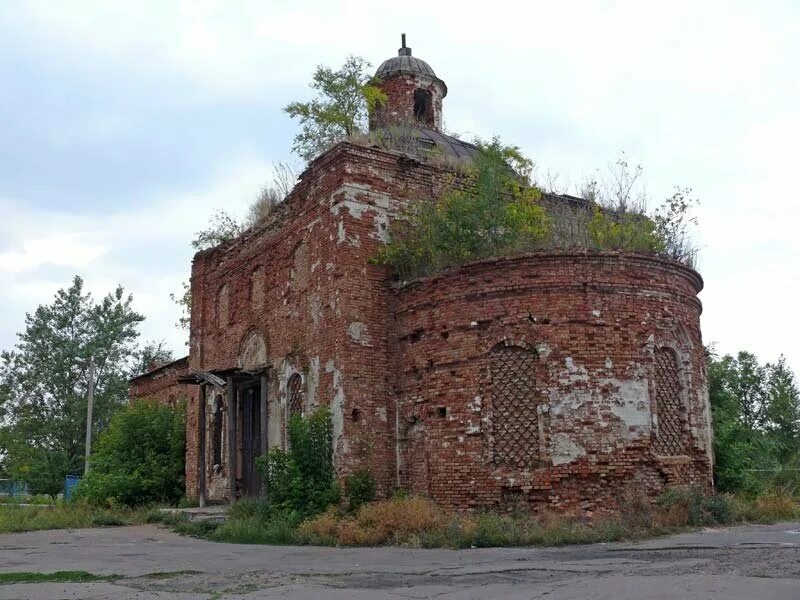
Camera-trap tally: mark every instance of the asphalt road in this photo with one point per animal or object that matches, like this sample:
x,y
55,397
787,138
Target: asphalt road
x,y
755,562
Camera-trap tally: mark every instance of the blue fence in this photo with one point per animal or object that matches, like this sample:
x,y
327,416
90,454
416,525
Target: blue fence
x,y
12,488
71,482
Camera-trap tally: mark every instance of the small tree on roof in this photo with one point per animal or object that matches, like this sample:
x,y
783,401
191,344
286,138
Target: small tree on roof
x,y
341,109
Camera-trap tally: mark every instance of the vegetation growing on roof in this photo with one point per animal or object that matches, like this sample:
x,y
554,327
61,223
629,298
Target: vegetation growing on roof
x,y
341,109
494,209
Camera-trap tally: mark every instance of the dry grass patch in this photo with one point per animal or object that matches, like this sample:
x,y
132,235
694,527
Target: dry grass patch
x,y
396,521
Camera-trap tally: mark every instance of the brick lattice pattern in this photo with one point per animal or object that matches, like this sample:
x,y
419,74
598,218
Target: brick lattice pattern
x,y
294,393
515,416
670,439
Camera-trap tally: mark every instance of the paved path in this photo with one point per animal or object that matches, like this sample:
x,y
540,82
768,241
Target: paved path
x,y
761,562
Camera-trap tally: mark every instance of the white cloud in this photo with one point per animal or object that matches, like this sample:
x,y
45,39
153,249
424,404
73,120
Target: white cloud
x,y
147,250
703,94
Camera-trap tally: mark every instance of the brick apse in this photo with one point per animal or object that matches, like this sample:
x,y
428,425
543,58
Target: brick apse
x,y
556,379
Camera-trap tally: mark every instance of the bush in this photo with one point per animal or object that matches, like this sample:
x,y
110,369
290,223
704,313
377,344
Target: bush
x,y
45,471
139,459
492,210
626,231
360,489
301,480
278,529
681,506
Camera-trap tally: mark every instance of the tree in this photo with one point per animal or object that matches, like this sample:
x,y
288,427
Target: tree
x,y
341,109
43,382
223,228
782,413
153,354
139,458
756,410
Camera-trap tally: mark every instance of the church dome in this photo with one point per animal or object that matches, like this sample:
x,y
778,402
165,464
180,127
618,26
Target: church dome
x,y
404,64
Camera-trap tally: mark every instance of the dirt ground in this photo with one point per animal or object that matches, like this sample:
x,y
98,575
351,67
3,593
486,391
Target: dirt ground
x,y
760,561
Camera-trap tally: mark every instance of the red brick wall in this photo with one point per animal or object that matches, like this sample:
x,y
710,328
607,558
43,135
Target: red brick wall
x,y
322,309
399,106
303,283
592,321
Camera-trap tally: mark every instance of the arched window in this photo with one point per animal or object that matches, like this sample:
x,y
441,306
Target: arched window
x,y
423,106
515,414
216,432
294,394
670,439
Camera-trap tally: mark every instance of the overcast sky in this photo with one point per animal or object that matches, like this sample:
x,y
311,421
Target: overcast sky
x,y
123,125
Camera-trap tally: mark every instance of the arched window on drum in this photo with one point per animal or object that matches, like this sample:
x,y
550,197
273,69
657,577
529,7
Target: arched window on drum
x,y
670,438
516,417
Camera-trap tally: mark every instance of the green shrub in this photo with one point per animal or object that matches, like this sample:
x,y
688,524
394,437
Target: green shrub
x,y
279,528
360,489
490,211
691,506
626,231
139,459
301,480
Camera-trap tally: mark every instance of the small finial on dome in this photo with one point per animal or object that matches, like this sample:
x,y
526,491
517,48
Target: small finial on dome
x,y
403,51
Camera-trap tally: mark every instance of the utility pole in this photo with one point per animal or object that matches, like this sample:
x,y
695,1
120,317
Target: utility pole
x,y
89,402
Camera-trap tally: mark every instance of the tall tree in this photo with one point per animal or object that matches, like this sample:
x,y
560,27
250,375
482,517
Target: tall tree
x,y
783,409
756,411
44,380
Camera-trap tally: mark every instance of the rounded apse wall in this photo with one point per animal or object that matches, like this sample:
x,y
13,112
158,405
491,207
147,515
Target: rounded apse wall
x,y
554,380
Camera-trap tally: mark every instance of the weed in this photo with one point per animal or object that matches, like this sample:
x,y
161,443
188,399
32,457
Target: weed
x,y
62,516
55,577
169,574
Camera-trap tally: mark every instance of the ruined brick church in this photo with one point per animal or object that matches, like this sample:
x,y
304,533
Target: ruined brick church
x,y
557,379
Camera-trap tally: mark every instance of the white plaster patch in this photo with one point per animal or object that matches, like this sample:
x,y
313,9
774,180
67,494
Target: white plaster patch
x,y
475,405
337,410
381,412
358,333
381,227
473,428
573,373
379,204
595,313
631,404
313,382
564,449
315,306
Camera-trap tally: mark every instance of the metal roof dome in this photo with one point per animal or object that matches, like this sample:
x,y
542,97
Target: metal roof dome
x,y
404,63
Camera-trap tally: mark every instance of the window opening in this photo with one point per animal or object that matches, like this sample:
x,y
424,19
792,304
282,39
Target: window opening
x,y
669,404
515,415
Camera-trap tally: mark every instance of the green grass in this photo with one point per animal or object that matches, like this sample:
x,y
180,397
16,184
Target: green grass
x,y
55,577
417,522
39,499
14,518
